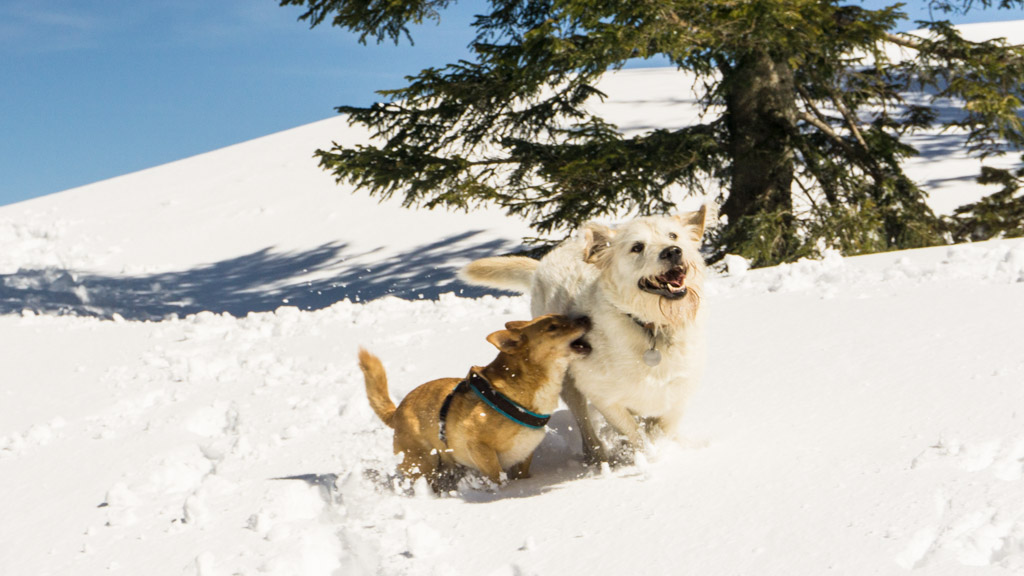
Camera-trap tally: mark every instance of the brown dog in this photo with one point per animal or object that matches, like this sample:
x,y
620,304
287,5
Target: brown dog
x,y
494,418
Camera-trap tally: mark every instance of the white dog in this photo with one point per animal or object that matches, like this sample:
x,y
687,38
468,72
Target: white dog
x,y
641,285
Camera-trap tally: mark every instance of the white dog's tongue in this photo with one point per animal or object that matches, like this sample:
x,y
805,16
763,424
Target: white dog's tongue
x,y
674,278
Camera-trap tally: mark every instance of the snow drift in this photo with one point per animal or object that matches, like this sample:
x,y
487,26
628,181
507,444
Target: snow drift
x,y
178,340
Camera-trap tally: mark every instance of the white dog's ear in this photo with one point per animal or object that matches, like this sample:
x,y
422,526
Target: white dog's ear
x,y
697,221
598,240
505,341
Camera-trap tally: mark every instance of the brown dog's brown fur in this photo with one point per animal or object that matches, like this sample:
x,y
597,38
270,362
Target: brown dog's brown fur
x,y
531,362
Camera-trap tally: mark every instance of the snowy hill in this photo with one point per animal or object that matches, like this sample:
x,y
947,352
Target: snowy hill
x,y
177,339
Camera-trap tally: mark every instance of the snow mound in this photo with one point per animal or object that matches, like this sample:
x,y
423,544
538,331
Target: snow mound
x,y
179,392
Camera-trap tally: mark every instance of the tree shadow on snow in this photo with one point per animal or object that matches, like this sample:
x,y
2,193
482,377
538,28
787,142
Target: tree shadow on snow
x,y
257,282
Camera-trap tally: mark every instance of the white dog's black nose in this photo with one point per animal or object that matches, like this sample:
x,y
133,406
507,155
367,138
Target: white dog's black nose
x,y
673,254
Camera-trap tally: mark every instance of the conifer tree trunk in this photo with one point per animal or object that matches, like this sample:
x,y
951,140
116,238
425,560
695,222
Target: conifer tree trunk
x,y
761,120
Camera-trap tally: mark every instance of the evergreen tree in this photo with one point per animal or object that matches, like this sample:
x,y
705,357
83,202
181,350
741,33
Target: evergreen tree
x,y
998,215
807,146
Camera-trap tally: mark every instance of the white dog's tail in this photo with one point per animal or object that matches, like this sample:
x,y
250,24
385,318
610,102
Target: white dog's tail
x,y
513,273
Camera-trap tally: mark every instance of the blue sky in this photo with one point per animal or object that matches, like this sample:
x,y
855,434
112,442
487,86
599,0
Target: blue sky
x,y
93,89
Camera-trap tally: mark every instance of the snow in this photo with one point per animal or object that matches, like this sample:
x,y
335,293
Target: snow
x,y
180,340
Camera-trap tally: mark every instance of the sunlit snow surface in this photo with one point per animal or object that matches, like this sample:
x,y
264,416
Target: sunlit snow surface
x,y
175,341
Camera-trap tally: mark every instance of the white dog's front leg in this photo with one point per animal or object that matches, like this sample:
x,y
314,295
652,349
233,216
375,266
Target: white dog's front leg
x,y
624,421
593,450
669,424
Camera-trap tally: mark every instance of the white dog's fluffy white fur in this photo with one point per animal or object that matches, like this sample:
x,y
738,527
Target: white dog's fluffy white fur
x,y
641,284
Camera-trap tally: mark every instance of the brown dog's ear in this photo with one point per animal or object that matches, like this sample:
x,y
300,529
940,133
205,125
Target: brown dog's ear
x,y
697,221
505,341
598,239
517,324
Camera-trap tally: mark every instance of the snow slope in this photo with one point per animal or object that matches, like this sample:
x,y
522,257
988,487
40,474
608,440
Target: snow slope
x,y
176,340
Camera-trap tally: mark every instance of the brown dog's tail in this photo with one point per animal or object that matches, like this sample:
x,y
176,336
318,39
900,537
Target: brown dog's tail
x,y
513,273
376,386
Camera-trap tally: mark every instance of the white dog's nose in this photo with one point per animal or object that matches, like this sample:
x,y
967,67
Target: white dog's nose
x,y
673,254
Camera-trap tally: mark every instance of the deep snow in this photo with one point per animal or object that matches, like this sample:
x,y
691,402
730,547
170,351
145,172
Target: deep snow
x,y
178,339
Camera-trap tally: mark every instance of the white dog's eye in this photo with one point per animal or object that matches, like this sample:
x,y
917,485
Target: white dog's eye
x,y
637,248
672,236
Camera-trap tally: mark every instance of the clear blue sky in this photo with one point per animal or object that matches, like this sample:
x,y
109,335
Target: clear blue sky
x,y
92,89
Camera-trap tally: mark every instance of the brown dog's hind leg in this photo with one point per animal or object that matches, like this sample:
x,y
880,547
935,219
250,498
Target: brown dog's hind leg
x,y
415,464
441,475
447,477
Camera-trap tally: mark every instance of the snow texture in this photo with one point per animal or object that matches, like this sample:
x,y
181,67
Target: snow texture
x,y
180,394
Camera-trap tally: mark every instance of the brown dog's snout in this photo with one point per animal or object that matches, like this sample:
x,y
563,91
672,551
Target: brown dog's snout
x,y
583,322
580,345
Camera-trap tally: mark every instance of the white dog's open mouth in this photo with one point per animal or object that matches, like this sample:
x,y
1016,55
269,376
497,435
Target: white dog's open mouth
x,y
671,284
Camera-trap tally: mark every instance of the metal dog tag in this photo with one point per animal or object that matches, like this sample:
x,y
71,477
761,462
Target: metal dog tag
x,y
652,357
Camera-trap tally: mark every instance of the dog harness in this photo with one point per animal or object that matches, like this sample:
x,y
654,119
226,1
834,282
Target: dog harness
x,y
496,400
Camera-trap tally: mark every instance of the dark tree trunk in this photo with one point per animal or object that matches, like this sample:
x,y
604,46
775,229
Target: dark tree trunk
x,y
761,118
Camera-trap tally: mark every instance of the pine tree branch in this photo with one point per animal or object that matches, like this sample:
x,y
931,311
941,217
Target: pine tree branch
x,y
851,120
819,121
808,193
917,43
904,40
809,101
872,165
